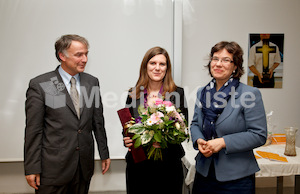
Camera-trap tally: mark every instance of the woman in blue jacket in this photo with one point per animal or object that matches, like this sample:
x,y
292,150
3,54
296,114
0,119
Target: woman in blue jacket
x,y
228,123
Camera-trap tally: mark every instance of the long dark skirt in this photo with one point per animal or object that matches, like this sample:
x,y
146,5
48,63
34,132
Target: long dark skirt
x,y
159,177
209,184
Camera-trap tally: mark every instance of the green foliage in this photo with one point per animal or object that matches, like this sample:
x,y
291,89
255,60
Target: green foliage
x,y
137,128
167,128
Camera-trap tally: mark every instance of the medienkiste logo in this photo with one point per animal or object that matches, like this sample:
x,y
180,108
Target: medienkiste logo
x,y
54,97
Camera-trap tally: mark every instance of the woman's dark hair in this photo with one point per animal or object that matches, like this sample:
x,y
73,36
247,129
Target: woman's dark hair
x,y
237,53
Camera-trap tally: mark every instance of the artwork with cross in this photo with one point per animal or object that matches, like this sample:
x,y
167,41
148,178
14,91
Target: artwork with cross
x,y
265,49
265,60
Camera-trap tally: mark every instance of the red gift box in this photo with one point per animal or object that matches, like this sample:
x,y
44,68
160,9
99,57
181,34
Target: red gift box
x,y
138,154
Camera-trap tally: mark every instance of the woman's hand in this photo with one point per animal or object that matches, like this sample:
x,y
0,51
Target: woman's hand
x,y
207,148
202,146
215,145
156,145
128,142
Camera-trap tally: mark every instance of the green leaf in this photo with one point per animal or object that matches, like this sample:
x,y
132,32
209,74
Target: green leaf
x,y
175,133
137,128
169,122
141,109
166,118
136,136
171,137
138,142
144,117
161,125
147,137
155,127
158,136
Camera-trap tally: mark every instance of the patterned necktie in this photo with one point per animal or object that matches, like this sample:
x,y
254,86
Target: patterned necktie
x,y
75,96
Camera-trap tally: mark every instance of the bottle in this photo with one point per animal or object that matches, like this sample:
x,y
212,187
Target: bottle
x,y
290,146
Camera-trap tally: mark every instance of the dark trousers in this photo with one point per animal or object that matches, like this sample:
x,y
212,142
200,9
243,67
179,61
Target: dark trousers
x,y
267,82
210,185
77,186
154,177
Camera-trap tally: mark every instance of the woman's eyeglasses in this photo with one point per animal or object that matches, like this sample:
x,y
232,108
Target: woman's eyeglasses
x,y
224,61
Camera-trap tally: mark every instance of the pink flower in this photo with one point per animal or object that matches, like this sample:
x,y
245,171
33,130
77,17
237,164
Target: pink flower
x,y
167,103
158,101
178,117
156,117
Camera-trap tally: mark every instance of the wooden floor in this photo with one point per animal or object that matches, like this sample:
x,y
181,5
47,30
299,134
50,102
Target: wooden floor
x,y
272,190
286,190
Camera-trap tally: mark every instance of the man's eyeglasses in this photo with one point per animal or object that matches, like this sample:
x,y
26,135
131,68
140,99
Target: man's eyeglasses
x,y
224,61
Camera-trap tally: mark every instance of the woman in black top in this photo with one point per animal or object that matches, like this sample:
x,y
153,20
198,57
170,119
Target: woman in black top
x,y
155,81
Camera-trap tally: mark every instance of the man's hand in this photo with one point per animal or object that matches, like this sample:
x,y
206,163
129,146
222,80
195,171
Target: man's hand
x,y
256,72
33,180
260,77
271,70
105,165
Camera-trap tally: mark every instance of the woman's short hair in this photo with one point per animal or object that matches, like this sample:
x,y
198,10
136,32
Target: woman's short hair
x,y
237,53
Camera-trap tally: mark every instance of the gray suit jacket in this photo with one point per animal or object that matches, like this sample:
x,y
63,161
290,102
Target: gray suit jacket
x,y
56,141
243,128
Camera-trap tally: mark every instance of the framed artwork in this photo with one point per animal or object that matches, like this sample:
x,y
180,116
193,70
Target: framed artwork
x,y
265,60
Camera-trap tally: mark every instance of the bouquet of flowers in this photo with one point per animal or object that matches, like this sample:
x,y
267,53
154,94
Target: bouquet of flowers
x,y
159,124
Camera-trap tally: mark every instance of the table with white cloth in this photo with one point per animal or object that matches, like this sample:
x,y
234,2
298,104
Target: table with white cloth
x,y
267,167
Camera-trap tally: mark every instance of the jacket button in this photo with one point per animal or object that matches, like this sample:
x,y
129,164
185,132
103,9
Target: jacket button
x,y
79,131
77,148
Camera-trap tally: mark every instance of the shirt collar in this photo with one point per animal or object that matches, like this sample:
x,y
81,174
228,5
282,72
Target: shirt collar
x,y
67,77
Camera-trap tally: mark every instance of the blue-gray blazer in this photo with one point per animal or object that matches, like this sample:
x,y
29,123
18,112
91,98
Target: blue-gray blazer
x,y
243,126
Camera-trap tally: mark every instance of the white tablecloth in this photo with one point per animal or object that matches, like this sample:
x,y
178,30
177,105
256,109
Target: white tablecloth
x,y
267,167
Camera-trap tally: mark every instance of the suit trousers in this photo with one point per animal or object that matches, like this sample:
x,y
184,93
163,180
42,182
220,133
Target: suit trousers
x,y
77,186
270,83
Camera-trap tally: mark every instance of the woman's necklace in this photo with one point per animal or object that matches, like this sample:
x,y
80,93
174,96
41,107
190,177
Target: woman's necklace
x,y
153,94
151,98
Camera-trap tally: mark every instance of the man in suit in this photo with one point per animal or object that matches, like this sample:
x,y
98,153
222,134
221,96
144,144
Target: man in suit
x,y
63,108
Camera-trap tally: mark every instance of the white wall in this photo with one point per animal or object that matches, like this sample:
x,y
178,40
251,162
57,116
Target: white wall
x,y
119,33
207,22
204,24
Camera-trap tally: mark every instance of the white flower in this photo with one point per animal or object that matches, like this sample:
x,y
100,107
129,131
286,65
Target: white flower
x,y
160,105
170,109
177,125
149,122
182,116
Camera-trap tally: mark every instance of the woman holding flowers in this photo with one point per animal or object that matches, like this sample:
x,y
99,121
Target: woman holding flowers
x,y
228,123
153,103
